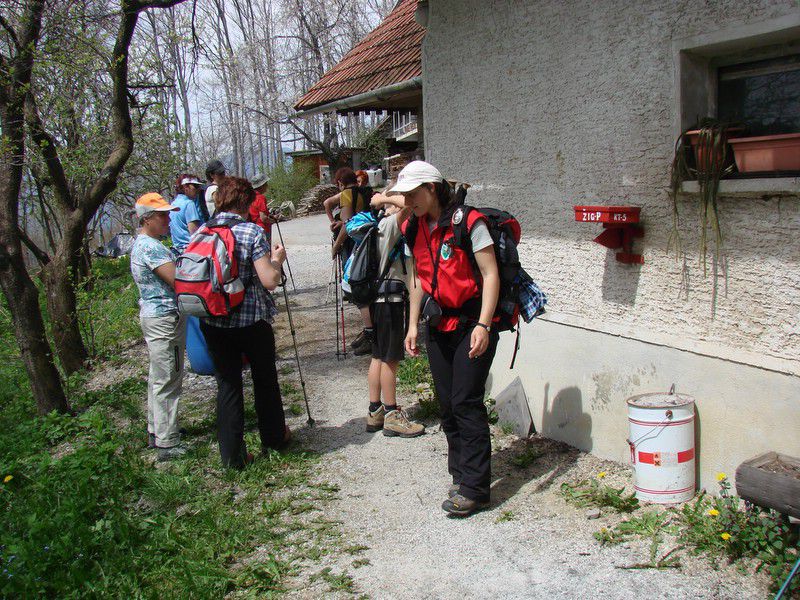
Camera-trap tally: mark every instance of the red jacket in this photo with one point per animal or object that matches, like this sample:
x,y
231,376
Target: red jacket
x,y
260,205
456,279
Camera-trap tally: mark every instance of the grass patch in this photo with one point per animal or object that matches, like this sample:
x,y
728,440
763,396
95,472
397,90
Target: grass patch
x,y
591,492
86,512
341,582
125,527
526,458
505,517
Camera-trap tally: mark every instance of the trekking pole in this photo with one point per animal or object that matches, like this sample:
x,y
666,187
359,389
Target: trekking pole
x,y
341,307
335,269
288,266
296,351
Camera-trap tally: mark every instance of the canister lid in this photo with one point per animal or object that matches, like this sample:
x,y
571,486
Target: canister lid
x,y
660,400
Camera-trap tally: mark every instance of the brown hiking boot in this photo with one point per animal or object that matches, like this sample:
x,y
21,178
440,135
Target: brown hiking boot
x,y
460,506
396,423
375,419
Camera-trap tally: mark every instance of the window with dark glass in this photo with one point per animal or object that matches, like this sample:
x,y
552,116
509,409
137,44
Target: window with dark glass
x,y
763,95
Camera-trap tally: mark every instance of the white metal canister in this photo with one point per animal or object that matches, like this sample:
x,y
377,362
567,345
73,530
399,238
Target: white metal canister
x,y
662,446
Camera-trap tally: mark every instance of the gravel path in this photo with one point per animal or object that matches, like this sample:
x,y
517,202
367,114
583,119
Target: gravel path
x,y
530,544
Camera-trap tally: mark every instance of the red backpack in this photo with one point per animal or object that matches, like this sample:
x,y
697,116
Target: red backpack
x,y
207,280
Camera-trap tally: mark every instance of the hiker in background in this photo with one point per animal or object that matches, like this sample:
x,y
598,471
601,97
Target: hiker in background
x,y
163,327
388,313
215,171
459,306
188,218
247,331
259,210
350,200
362,179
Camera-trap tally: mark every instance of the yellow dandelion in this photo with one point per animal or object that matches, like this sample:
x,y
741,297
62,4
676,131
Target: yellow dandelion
x,y
8,478
721,476
725,536
601,474
713,512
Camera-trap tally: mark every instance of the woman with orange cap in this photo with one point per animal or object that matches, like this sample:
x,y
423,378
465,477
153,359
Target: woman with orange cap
x,y
163,327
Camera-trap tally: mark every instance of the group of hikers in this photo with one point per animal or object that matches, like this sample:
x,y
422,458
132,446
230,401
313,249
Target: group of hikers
x,y
438,272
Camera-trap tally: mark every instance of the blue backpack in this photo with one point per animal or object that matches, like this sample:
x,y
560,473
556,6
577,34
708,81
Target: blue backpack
x,y
362,271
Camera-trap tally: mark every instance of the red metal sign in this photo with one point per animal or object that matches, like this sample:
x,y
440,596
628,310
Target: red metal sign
x,y
607,214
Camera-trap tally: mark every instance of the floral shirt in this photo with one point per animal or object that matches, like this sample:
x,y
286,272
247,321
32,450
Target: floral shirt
x,y
157,298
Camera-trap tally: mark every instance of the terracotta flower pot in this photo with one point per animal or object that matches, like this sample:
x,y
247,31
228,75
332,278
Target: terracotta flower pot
x,y
767,153
694,140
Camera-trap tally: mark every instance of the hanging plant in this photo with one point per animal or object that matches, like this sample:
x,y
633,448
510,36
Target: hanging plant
x,y
712,161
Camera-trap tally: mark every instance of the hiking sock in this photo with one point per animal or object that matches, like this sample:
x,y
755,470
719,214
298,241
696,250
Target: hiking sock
x,y
387,407
373,406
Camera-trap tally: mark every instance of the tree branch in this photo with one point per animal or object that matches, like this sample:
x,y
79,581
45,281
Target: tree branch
x,y
41,256
11,33
47,147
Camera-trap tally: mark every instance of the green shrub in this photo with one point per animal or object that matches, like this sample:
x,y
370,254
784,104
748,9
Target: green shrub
x,y
287,184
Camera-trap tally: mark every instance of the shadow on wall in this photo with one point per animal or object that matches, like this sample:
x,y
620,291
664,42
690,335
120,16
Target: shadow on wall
x,y
564,419
620,281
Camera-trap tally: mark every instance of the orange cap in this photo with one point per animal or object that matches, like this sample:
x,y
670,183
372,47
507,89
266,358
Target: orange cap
x,y
152,202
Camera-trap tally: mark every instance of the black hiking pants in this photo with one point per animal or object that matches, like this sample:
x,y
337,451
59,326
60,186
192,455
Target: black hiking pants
x,y
460,383
226,346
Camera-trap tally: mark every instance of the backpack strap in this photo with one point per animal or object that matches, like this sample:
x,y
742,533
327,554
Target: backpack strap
x,y
463,239
412,228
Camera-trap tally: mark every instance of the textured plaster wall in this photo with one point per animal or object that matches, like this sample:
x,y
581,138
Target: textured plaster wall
x,y
548,104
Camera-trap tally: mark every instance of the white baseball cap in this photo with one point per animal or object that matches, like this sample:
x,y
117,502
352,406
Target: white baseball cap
x,y
188,180
414,174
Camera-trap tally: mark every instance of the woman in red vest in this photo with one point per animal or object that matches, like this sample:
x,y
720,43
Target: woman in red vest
x,y
461,342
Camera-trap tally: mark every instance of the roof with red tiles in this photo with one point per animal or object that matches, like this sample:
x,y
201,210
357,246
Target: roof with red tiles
x,y
391,53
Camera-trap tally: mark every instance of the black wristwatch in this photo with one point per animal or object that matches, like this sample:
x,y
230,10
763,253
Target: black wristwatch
x,y
486,327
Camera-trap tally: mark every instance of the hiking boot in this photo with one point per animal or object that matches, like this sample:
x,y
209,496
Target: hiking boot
x,y
460,506
453,490
375,419
362,344
172,453
359,339
396,423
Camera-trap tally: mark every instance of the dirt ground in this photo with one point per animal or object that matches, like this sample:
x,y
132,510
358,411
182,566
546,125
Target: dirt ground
x,y
529,544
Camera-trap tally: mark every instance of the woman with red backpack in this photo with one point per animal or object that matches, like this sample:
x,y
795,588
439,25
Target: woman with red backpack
x,y
456,293
247,331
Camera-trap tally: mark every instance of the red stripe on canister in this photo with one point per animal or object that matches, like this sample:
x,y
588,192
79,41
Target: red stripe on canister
x,y
654,458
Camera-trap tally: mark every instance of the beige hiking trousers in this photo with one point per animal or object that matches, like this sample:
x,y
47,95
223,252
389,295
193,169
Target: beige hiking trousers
x,y
166,343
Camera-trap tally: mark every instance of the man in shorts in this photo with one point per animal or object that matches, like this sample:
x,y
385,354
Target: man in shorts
x,y
388,314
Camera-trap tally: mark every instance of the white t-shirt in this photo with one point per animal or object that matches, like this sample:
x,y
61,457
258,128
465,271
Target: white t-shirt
x,y
210,199
480,236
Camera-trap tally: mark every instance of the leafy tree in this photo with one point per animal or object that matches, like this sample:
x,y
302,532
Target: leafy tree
x,y
82,145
